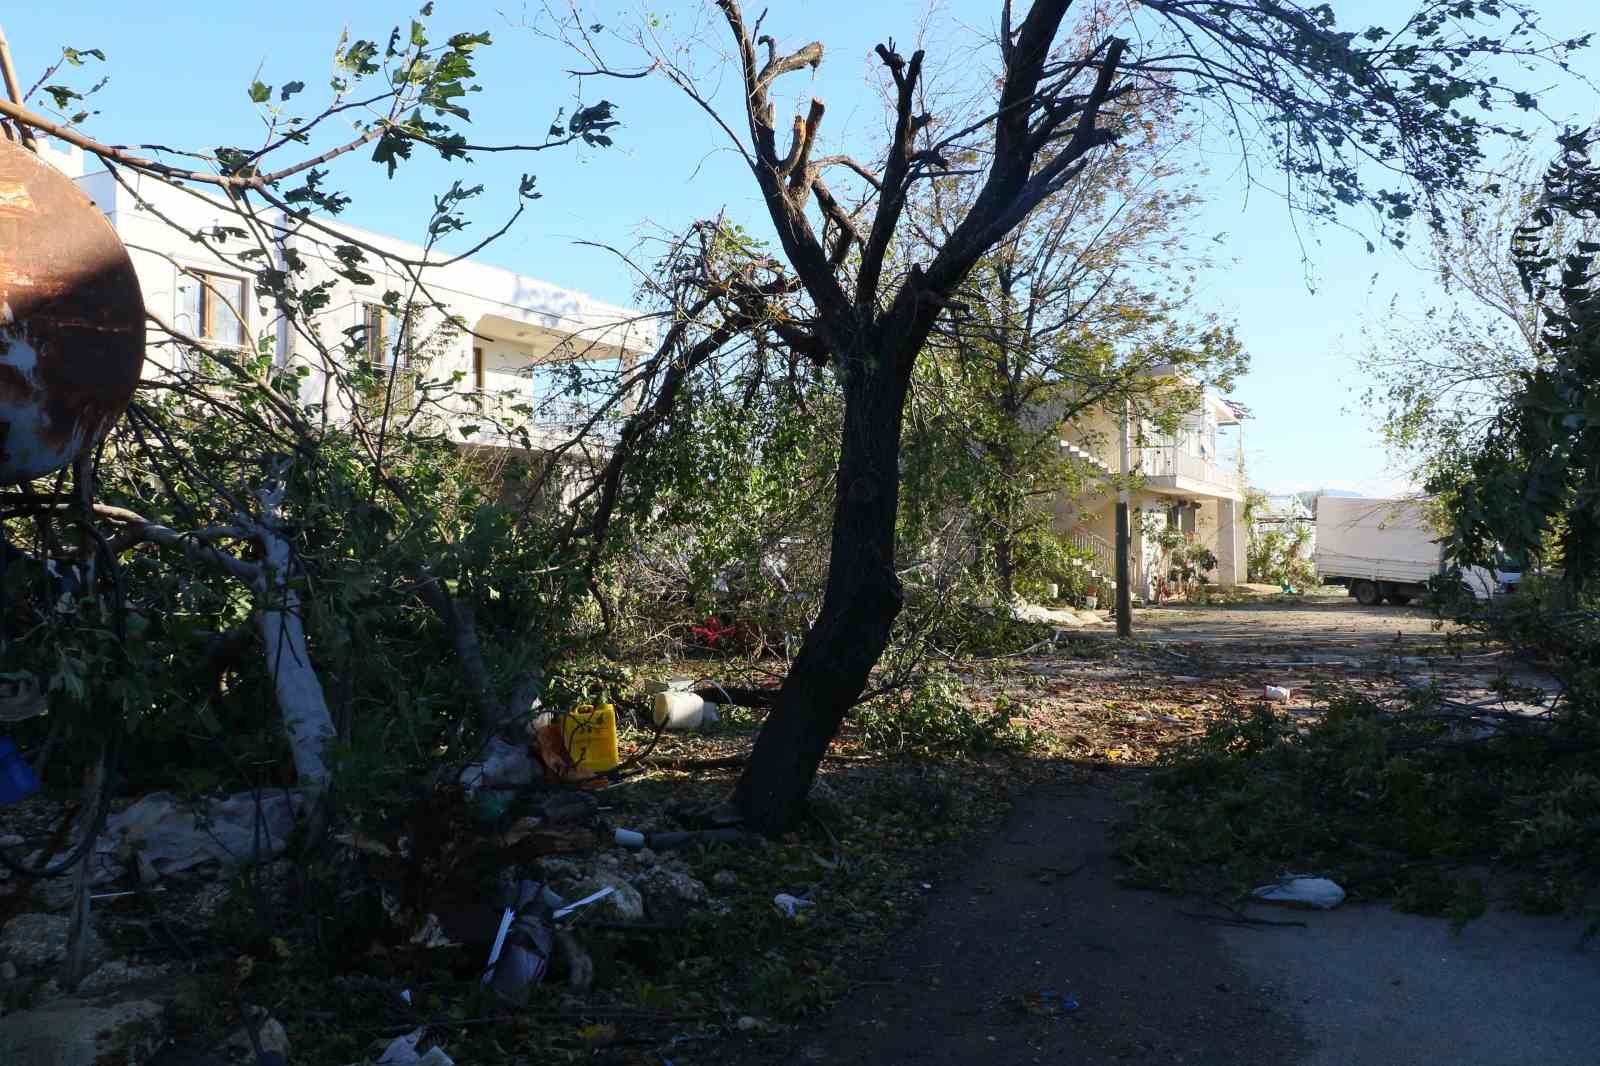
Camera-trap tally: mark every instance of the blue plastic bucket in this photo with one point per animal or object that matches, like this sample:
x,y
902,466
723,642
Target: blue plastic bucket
x,y
16,776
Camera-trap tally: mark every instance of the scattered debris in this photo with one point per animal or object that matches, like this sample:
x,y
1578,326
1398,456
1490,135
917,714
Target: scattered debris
x,y
622,904
502,765
790,906
522,945
1276,693
593,897
402,1051
1302,890
167,836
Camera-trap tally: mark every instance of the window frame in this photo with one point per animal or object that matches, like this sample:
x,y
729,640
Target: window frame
x,y
207,283
380,357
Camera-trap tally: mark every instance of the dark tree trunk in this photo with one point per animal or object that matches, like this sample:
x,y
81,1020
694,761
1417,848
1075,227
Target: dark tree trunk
x,y
862,599
1004,564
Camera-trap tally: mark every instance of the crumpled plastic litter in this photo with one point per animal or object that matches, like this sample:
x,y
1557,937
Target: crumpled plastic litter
x,y
402,1051
790,906
1302,890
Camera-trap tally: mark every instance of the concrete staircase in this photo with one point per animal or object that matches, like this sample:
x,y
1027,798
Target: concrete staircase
x,y
1086,457
1101,567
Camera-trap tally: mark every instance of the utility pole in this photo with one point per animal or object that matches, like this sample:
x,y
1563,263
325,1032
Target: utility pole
x,y
1124,538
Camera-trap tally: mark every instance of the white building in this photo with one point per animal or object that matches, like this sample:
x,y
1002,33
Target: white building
x,y
516,330
1188,481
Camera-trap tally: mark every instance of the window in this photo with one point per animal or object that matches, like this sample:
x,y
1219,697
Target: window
x,y
384,349
210,306
477,369
384,337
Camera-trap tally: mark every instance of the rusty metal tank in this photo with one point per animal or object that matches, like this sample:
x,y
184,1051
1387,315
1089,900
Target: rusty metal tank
x,y
71,319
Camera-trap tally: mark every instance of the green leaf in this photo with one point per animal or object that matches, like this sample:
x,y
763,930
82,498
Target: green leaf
x,y
62,95
290,88
260,92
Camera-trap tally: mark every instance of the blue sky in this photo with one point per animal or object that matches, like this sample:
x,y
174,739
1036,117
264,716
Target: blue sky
x,y
179,73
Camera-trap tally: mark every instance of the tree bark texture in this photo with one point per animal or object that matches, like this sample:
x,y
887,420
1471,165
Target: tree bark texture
x,y
862,598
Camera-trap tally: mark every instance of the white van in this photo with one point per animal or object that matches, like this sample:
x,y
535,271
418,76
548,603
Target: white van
x,y
1387,551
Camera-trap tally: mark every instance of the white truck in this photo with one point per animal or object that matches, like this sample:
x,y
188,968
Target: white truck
x,y
1387,551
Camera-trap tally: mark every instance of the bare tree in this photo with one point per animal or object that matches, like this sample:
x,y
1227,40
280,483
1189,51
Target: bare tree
x,y
1334,110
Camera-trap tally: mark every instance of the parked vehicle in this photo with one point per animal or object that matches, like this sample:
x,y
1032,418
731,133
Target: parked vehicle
x,y
1388,551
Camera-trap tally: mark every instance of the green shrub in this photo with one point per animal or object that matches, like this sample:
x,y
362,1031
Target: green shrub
x,y
1386,801
935,715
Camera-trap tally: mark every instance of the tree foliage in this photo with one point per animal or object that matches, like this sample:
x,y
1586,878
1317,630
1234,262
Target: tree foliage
x,y
302,523
1086,307
1379,118
1438,378
1533,486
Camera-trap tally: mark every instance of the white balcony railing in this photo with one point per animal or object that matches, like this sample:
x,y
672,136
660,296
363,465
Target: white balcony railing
x,y
1170,461
549,421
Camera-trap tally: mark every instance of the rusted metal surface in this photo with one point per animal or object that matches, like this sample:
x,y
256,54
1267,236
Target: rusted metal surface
x,y
71,319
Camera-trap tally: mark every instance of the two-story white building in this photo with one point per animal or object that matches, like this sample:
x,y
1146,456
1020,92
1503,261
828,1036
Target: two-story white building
x,y
1188,480
520,341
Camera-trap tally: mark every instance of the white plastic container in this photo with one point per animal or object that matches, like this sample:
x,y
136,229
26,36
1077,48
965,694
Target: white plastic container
x,y
682,710
1276,693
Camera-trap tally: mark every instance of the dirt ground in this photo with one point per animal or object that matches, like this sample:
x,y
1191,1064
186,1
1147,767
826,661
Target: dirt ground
x,y
1037,913
1026,946
1321,619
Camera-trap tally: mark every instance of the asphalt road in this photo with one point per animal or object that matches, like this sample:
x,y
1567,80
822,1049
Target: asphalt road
x,y
1371,985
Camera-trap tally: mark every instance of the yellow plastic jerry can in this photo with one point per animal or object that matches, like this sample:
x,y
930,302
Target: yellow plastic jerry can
x,y
591,736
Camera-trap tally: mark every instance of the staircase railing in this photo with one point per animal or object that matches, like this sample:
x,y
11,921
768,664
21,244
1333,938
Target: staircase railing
x,y
1103,552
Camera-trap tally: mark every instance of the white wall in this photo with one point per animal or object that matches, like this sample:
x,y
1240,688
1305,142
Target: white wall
x,y
519,320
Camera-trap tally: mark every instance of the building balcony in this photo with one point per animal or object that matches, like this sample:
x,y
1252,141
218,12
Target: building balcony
x,y
1169,469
